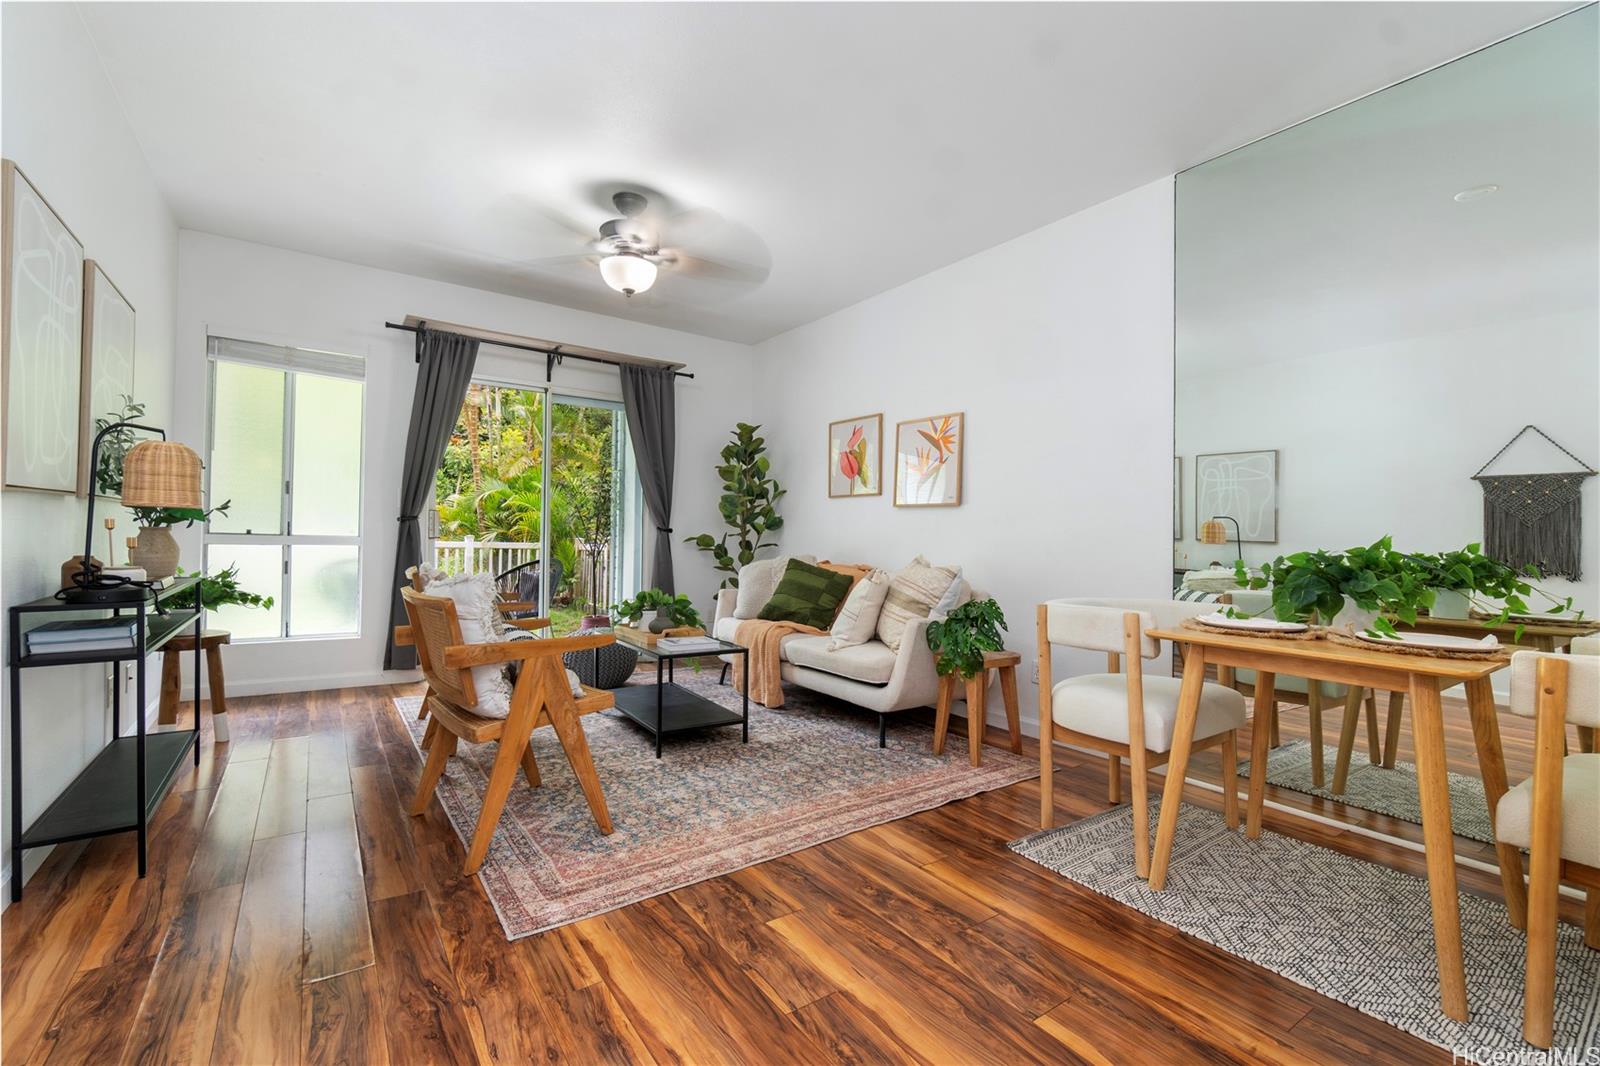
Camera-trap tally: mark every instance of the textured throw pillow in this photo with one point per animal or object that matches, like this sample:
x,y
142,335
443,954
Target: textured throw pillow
x,y
913,594
858,618
758,581
958,593
855,571
806,594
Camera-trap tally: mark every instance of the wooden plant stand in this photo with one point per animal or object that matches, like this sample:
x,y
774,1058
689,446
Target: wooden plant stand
x,y
1005,664
211,641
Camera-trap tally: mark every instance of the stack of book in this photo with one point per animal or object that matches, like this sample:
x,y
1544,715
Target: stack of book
x,y
83,635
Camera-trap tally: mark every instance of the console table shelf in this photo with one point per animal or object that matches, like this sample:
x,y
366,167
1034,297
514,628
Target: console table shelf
x,y
124,783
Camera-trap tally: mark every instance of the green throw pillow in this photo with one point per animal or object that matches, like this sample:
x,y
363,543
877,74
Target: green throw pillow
x,y
807,594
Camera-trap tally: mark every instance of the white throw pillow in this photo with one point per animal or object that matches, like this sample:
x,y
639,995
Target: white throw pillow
x,y
913,594
958,593
759,580
858,618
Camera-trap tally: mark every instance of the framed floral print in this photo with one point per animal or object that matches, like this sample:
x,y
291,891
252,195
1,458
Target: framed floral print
x,y
927,461
855,456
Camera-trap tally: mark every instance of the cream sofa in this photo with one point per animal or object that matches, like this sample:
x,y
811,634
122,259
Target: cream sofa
x,y
869,675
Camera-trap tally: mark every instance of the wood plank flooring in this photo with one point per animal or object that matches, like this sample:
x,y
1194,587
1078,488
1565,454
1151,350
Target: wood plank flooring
x,y
295,914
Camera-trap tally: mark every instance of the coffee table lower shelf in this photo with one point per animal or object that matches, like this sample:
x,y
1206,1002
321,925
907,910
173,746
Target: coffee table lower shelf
x,y
667,708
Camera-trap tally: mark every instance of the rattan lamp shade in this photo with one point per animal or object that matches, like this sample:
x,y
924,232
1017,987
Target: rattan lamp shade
x,y
160,473
1213,532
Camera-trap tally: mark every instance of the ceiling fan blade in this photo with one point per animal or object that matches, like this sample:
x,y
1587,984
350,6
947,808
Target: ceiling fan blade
x,y
700,266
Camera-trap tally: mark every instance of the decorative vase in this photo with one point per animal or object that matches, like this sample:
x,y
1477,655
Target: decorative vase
x,y
1353,619
1449,603
156,552
661,622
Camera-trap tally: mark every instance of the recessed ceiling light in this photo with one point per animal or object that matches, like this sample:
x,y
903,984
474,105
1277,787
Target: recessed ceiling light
x,y
1477,192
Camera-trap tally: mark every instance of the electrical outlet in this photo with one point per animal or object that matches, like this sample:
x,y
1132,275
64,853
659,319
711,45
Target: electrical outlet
x,y
1036,671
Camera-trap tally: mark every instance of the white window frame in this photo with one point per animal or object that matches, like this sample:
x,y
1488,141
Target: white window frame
x,y
291,362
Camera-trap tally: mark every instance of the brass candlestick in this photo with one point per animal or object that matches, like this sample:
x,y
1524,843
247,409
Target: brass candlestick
x,y
111,545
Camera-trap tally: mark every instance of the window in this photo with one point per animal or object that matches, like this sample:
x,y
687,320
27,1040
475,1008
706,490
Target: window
x,y
285,443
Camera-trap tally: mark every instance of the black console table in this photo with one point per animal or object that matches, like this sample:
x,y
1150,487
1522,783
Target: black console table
x,y
122,785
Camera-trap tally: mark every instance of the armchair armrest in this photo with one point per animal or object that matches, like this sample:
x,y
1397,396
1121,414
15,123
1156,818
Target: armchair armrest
x,y
468,655
404,639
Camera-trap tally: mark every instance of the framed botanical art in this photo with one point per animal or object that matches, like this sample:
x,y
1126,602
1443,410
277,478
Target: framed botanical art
x,y
1243,486
107,370
41,331
855,456
927,461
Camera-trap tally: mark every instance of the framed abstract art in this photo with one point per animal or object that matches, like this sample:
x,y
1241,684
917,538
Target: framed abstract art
x,y
107,363
855,456
41,321
1243,486
927,461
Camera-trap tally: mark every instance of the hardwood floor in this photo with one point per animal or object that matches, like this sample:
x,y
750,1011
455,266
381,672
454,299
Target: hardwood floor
x,y
294,913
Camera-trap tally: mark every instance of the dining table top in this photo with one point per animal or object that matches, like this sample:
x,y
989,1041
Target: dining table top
x,y
1337,656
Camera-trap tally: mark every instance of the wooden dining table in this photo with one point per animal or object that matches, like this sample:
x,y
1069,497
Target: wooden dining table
x,y
1422,677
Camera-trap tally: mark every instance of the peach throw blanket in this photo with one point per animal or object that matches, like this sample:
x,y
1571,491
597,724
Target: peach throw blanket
x,y
764,639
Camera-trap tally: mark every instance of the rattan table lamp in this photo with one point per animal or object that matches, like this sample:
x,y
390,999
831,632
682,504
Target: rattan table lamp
x,y
1212,531
155,473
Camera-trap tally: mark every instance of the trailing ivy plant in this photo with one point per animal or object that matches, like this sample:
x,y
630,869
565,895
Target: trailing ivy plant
x,y
959,641
679,608
222,589
748,505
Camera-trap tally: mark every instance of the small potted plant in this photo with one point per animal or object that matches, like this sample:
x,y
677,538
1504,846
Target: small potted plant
x,y
1467,580
670,611
960,640
222,590
156,552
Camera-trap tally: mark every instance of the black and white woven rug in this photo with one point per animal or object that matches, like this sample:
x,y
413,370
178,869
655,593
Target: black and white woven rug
x,y
1268,900
1372,788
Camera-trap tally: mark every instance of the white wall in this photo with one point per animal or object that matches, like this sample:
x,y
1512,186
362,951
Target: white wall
x,y
1058,347
250,291
1425,412
63,126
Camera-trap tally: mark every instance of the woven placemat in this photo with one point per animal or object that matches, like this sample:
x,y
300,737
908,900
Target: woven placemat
x,y
1502,655
1269,634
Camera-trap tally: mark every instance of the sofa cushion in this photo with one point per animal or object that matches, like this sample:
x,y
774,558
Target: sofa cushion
x,y
871,662
1097,704
807,594
857,621
913,593
759,580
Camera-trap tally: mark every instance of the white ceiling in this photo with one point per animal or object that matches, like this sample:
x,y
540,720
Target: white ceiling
x,y
851,147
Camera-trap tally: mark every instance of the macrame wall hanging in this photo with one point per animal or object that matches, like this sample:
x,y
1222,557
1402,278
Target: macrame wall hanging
x,y
1535,519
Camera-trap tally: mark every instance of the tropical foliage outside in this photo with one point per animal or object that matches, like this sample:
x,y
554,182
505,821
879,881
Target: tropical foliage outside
x,y
490,486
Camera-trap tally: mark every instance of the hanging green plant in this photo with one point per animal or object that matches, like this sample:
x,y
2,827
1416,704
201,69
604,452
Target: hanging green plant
x,y
748,505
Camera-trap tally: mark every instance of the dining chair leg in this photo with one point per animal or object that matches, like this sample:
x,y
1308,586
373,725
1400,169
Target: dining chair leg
x,y
428,735
1113,779
1492,768
1230,779
1374,745
1194,672
1433,788
1139,780
1544,854
1314,720
1047,768
1391,740
1591,918
506,761
530,765
1258,760
1277,740
432,770
1347,739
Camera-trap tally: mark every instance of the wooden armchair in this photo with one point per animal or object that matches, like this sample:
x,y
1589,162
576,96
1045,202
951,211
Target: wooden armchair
x,y
541,696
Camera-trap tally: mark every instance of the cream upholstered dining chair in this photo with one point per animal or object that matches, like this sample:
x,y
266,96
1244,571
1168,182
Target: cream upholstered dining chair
x,y
1128,714
1555,814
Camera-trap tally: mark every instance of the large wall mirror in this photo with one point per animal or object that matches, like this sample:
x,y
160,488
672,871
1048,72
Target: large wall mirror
x,y
1371,304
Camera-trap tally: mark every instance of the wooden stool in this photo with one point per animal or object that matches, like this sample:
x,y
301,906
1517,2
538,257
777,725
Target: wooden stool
x,y
211,641
1005,664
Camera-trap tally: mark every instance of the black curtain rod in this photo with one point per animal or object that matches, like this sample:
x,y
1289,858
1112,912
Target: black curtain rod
x,y
551,355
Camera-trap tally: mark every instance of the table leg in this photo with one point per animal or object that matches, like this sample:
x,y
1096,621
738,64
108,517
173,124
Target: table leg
x,y
1194,675
941,718
1008,693
744,697
1260,738
1433,786
660,693
1347,738
977,712
1314,717
1391,740
1492,768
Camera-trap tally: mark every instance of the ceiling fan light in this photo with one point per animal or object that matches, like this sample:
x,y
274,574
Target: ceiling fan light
x,y
628,273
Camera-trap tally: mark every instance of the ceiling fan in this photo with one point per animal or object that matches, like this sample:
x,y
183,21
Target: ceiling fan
x,y
635,248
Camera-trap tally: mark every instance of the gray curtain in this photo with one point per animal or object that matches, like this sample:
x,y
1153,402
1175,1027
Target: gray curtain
x,y
443,374
649,396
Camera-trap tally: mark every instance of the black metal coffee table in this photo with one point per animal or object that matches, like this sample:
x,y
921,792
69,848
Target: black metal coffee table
x,y
667,707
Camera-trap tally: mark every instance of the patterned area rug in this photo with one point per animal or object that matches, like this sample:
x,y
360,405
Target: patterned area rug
x,y
1372,788
1352,930
710,805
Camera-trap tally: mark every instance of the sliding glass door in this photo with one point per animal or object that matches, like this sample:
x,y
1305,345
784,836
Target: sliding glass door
x,y
540,490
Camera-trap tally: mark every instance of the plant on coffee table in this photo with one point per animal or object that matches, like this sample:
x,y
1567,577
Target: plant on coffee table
x,y
679,609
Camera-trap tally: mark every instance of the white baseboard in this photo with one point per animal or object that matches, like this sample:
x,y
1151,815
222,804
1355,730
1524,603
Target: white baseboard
x,y
271,686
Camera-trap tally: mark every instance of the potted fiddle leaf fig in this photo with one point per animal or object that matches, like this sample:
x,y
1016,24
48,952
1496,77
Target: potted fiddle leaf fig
x,y
748,505
960,640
